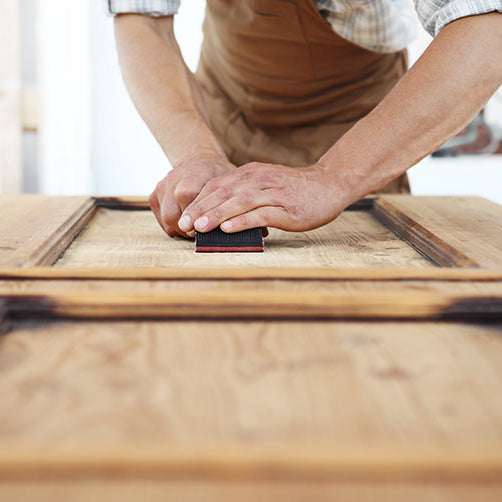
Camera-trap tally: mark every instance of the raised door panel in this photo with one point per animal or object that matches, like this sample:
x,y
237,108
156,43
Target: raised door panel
x,y
256,402
400,232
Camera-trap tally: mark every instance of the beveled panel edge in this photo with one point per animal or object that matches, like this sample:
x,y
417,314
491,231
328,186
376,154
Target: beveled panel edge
x,y
427,243
57,243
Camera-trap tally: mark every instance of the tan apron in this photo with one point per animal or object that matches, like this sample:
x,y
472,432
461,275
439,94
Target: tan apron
x,y
281,86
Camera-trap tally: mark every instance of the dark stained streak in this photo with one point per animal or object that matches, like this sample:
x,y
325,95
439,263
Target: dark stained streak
x,y
29,305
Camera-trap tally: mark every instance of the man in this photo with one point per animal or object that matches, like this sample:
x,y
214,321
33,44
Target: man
x,y
306,97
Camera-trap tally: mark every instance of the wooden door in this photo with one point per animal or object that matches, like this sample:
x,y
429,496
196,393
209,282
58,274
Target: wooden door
x,y
362,360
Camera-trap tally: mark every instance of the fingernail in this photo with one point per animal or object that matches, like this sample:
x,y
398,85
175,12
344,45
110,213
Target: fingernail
x,y
226,226
184,222
201,223
191,233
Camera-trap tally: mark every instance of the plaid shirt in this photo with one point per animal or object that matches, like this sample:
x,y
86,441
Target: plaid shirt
x,y
378,25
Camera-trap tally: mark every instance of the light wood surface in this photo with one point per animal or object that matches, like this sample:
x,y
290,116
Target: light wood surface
x,y
263,400
286,491
34,229
134,239
458,231
235,274
366,406
255,303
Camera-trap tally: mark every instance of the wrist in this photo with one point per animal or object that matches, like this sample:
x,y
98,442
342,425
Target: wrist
x,y
202,160
342,182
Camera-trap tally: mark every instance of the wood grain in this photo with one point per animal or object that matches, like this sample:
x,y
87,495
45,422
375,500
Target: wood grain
x,y
254,303
250,274
34,229
276,400
127,490
286,491
117,238
452,231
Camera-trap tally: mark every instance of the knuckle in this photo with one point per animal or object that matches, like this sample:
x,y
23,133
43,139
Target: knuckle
x,y
293,210
183,193
152,199
243,220
216,214
211,186
195,210
224,192
245,198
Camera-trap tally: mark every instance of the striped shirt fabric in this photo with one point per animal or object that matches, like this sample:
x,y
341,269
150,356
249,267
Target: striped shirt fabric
x,y
383,26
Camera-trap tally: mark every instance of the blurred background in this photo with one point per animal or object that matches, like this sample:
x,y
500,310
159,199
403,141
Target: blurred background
x,y
67,125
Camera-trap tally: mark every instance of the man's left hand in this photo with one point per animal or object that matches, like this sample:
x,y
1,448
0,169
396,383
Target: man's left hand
x,y
265,195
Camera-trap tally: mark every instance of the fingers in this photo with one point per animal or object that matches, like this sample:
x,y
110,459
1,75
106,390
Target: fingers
x,y
186,191
276,217
166,211
241,203
244,186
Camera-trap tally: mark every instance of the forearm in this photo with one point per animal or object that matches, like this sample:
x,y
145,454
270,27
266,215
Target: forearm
x,y
440,94
162,88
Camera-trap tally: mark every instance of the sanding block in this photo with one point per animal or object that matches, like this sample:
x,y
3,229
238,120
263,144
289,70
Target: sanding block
x,y
217,241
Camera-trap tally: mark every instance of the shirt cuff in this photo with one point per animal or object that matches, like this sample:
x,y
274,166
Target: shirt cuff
x,y
154,8
462,8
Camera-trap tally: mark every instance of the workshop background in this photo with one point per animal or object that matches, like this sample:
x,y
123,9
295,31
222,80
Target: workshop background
x,y
67,125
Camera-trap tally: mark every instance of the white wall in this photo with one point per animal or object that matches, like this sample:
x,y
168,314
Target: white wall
x,y
126,159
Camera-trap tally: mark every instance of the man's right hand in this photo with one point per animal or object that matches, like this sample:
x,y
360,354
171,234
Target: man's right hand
x,y
181,186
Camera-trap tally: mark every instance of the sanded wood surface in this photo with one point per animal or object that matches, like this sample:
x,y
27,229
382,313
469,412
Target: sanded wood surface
x,y
269,410
34,229
190,274
285,491
353,397
117,238
455,231
257,303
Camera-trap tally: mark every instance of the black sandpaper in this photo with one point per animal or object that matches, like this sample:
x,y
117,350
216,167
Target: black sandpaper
x,y
217,241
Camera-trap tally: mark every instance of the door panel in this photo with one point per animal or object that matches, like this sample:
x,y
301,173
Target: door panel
x,y
400,232
324,400
360,359
118,238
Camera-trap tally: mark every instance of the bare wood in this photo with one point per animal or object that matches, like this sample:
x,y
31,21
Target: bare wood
x,y
11,165
35,229
127,490
257,401
190,303
322,462
117,238
251,274
453,231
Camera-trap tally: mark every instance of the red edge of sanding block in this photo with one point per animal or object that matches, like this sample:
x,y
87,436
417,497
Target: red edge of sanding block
x,y
217,241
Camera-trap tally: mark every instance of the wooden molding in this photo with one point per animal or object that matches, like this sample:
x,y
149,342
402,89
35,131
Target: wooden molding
x,y
262,304
44,273
217,462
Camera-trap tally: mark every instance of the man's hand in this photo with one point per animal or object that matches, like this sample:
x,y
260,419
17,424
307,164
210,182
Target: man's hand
x,y
265,195
181,186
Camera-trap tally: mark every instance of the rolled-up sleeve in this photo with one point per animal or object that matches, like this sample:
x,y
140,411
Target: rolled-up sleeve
x,y
150,7
436,14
